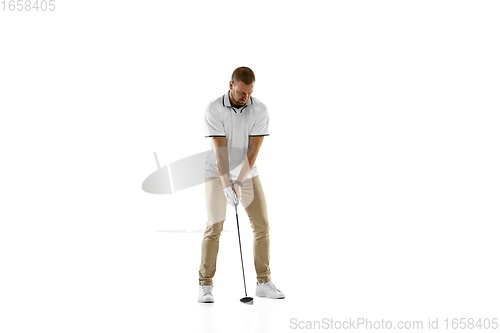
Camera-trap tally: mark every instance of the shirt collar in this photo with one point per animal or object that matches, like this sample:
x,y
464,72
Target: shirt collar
x,y
227,103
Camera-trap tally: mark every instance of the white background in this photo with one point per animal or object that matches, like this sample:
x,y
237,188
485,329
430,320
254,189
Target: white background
x,y
380,173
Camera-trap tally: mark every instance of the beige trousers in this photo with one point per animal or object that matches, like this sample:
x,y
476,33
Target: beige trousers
x,y
254,202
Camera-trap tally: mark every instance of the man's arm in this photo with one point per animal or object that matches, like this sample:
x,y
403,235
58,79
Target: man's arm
x,y
254,143
220,144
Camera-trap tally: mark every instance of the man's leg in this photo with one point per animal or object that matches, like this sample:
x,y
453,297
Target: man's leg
x,y
216,214
254,201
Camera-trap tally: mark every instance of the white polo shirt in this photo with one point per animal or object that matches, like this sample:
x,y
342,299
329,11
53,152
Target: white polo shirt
x,y
237,125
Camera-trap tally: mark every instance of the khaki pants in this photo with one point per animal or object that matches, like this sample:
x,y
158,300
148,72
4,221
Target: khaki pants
x,y
254,202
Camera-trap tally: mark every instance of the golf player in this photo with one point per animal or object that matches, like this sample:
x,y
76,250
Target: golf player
x,y
236,124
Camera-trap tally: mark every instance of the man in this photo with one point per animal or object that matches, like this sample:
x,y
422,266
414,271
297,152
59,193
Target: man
x,y
237,124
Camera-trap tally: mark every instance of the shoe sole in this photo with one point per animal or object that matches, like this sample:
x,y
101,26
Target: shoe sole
x,y
270,297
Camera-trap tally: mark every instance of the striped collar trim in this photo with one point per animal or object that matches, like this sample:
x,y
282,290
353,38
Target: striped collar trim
x,y
227,103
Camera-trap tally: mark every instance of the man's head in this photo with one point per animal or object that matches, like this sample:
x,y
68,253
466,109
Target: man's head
x,y
241,85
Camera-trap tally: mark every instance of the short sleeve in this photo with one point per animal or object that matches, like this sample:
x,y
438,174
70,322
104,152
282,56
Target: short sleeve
x,y
213,123
261,127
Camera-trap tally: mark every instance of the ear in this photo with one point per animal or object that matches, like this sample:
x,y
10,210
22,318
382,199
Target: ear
x,y
231,84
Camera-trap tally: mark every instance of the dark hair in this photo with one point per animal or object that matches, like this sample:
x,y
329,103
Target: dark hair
x,y
243,74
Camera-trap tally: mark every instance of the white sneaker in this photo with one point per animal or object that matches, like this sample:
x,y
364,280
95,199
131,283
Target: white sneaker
x,y
268,289
205,294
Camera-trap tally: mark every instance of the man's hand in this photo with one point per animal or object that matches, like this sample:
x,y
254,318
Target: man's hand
x,y
230,196
237,190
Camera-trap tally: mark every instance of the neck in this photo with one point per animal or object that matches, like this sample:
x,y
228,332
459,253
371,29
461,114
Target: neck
x,y
233,104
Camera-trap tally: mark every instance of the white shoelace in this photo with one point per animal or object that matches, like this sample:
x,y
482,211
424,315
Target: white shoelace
x,y
271,285
206,290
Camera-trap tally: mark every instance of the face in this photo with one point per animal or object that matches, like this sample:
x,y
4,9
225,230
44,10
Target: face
x,y
240,93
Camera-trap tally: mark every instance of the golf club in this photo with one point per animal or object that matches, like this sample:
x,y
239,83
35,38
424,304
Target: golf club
x,y
246,299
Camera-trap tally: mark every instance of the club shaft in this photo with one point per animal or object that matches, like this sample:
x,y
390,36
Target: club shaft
x,y
241,253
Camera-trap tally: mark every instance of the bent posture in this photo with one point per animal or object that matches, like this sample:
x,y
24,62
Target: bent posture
x,y
237,124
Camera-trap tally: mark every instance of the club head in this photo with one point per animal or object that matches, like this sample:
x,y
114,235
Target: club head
x,y
247,300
